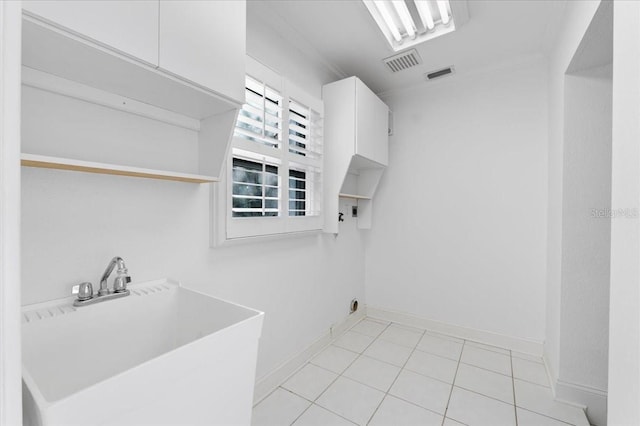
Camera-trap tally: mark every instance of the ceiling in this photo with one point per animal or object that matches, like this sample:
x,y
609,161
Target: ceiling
x,y
344,36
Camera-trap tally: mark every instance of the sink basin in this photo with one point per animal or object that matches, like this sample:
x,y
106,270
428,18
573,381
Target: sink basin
x,y
165,355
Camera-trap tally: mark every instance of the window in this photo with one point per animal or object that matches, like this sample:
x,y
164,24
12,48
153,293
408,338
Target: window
x,y
260,119
275,166
255,189
297,192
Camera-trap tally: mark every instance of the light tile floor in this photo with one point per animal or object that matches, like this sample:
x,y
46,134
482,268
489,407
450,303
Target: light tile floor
x,y
386,374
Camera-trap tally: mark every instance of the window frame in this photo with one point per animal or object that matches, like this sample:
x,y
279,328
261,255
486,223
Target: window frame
x,y
235,228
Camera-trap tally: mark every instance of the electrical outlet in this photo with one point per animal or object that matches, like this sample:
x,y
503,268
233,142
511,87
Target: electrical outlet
x,y
354,211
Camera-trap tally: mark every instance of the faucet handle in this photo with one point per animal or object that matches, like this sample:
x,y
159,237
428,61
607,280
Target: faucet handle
x,y
84,291
120,283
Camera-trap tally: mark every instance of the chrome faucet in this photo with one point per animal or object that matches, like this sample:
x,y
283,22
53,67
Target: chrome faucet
x,y
85,290
121,281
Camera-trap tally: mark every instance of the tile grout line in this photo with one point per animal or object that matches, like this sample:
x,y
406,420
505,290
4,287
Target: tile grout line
x,y
337,375
424,332
531,410
496,372
502,374
546,415
360,354
311,405
424,351
397,375
528,360
489,348
401,368
253,406
482,394
394,380
513,385
446,408
415,348
379,390
296,371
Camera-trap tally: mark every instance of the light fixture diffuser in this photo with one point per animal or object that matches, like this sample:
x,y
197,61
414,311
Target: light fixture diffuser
x,y
383,10
444,11
405,17
406,23
425,14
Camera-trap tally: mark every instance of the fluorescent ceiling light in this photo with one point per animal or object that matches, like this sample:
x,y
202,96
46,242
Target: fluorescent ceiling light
x,y
388,20
425,14
405,17
406,23
444,13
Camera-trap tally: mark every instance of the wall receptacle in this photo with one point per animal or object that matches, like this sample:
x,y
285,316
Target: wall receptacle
x,y
354,211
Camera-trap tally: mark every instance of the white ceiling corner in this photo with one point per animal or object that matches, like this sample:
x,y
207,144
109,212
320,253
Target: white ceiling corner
x,y
261,10
343,36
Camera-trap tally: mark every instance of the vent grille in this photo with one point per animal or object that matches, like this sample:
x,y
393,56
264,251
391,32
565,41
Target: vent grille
x,y
432,75
403,60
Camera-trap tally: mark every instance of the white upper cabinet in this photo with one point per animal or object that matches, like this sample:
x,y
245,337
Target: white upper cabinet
x,y
177,62
204,42
356,123
372,115
130,27
356,148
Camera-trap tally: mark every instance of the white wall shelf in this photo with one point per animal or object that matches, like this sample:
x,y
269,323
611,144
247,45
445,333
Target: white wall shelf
x,y
353,196
42,161
53,50
356,148
64,55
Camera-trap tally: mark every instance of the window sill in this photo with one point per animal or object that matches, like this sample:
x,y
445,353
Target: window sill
x,y
268,238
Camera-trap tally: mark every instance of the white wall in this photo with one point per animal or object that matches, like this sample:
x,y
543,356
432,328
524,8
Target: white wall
x,y
576,346
10,324
460,216
586,240
576,19
624,320
269,42
73,223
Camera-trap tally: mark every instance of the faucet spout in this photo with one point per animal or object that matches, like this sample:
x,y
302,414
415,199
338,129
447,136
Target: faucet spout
x,y
121,281
85,291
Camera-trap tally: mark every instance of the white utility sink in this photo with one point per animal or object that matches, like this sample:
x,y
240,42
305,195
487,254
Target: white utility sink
x,y
164,355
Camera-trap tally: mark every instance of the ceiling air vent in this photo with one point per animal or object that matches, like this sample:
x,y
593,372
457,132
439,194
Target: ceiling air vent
x,y
403,60
432,75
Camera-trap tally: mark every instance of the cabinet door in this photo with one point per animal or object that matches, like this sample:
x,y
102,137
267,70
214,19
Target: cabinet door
x,y
130,27
204,42
372,125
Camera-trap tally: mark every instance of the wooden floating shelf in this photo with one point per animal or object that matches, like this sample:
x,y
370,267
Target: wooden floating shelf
x,y
30,160
355,197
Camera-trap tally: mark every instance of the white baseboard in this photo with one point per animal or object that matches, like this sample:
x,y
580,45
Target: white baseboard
x,y
551,374
526,346
593,400
270,381
570,393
